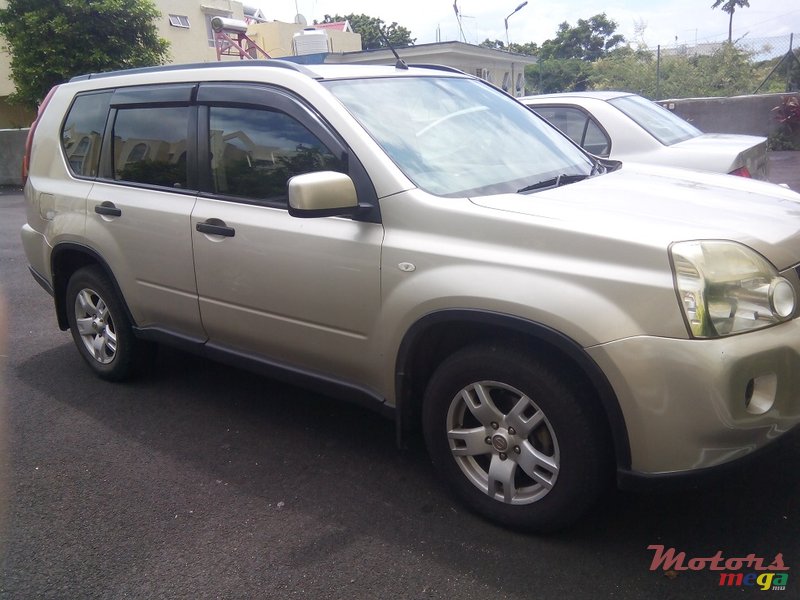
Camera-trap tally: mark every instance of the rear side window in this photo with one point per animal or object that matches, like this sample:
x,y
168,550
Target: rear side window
x,y
255,152
150,145
578,126
595,140
82,133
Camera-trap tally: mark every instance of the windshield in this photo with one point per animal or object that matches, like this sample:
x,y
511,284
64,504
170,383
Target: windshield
x,y
459,137
666,127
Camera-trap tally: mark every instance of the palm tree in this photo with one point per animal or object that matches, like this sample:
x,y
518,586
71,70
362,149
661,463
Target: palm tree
x,y
729,6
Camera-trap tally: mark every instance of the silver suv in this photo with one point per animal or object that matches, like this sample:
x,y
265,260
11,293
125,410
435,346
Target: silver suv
x,y
417,241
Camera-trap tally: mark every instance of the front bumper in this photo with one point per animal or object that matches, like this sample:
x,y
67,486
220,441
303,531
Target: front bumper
x,y
694,404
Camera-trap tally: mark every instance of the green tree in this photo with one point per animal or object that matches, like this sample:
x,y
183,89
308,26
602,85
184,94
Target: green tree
x,y
626,70
565,62
729,71
558,75
51,41
528,49
590,39
370,29
729,6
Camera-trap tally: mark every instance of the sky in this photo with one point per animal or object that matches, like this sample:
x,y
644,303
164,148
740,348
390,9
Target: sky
x,y
664,22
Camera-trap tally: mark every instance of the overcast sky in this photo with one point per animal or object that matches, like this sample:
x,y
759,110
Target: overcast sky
x,y
663,20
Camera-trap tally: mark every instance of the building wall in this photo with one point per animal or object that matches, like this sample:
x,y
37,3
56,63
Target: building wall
x,y
192,45
11,116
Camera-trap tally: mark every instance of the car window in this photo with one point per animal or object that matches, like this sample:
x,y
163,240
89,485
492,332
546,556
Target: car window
x,y
578,126
666,127
571,121
82,133
150,145
595,139
456,136
255,152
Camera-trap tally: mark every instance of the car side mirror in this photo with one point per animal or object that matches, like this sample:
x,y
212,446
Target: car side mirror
x,y
321,194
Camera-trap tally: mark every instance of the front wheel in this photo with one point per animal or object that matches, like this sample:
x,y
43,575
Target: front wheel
x,y
100,326
515,439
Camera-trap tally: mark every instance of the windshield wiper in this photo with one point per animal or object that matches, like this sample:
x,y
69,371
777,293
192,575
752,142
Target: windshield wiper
x,y
553,182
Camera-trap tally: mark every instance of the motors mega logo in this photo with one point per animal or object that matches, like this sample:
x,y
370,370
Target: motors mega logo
x,y
749,571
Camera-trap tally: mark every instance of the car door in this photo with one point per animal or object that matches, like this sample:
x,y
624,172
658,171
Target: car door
x,y
299,293
139,208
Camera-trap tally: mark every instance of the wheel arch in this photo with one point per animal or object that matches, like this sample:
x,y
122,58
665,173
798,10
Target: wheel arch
x,y
437,335
65,259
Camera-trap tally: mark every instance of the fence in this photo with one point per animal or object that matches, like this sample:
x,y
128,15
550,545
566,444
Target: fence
x,y
773,63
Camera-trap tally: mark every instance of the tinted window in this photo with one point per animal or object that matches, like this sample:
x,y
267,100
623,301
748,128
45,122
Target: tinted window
x,y
83,132
569,120
255,152
595,139
578,126
150,145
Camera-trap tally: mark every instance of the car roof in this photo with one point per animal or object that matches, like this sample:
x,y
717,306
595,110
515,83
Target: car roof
x,y
604,95
313,71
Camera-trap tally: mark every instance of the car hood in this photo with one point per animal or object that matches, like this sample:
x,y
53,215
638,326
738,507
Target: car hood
x,y
650,205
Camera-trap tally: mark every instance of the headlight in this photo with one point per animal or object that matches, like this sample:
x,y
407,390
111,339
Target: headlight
x,y
726,288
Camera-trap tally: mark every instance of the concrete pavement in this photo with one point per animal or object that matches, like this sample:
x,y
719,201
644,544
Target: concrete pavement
x,y
784,167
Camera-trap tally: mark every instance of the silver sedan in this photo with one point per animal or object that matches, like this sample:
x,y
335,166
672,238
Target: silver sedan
x,y
627,127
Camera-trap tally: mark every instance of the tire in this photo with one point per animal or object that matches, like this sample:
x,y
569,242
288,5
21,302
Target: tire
x,y
515,439
101,328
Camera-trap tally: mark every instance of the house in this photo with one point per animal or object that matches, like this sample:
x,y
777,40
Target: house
x,y
506,70
186,24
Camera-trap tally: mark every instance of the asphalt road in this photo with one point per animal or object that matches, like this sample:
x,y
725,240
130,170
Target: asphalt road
x,y
202,481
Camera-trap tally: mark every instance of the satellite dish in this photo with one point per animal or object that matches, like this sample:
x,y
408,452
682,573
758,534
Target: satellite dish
x,y
300,20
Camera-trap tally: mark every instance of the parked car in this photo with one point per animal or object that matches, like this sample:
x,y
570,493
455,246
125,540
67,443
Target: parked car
x,y
417,241
627,127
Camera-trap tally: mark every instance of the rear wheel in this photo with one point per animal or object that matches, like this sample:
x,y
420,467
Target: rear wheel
x,y
515,439
100,326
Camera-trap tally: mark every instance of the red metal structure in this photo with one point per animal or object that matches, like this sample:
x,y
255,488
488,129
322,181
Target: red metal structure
x,y
230,39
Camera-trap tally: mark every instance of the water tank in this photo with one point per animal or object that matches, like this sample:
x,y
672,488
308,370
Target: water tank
x,y
310,41
224,24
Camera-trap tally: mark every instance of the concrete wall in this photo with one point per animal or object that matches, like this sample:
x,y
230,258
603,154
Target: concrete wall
x,y
12,148
750,115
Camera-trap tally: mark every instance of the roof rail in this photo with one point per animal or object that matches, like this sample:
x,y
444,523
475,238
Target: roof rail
x,y
271,63
437,68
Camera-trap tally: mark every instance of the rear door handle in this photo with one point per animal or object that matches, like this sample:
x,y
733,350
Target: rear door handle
x,y
215,227
108,209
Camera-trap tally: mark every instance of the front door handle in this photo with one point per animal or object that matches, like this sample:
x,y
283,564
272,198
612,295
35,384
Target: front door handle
x,y
215,227
108,209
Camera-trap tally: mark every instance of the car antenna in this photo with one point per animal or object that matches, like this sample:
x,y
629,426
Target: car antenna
x,y
400,64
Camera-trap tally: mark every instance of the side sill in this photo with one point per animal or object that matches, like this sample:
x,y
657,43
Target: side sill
x,y
170,338
635,481
42,281
310,380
